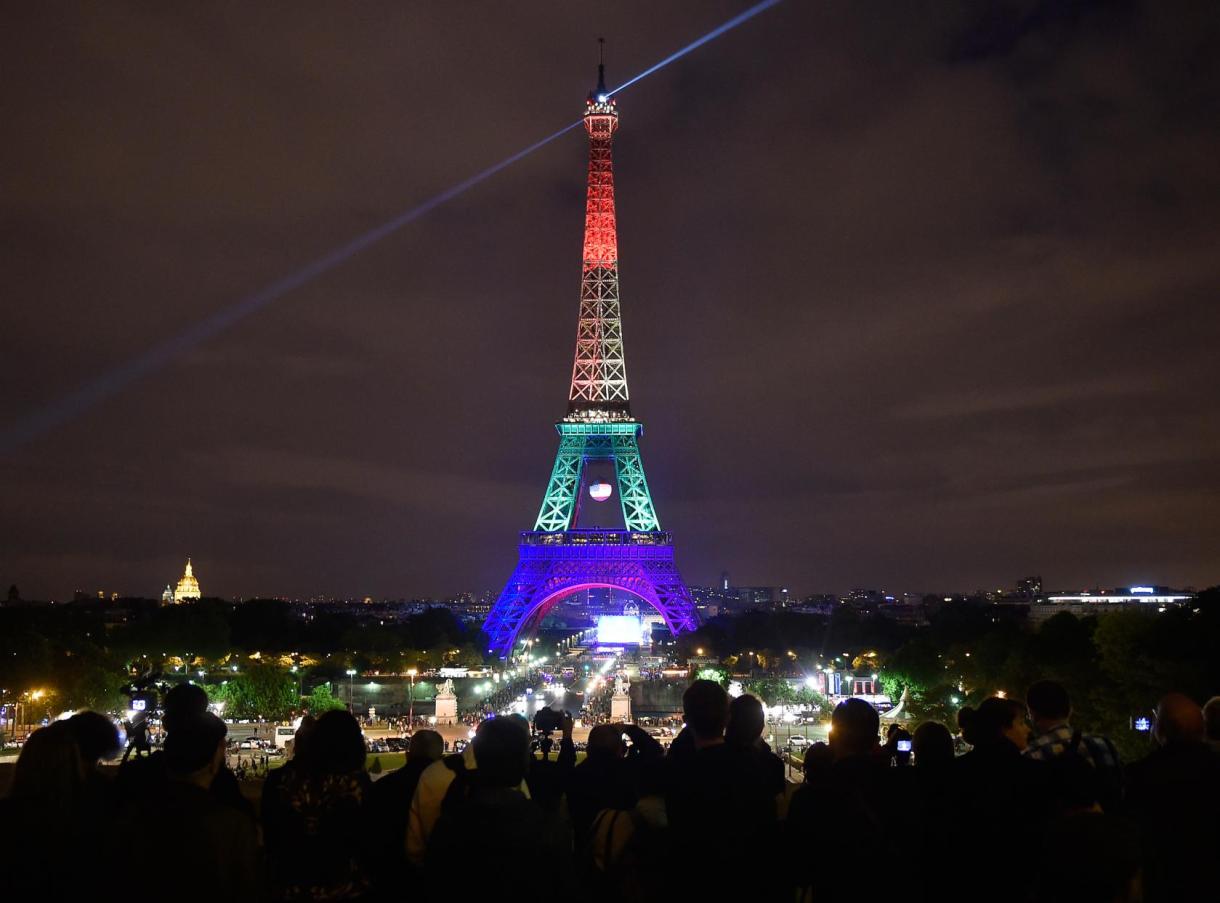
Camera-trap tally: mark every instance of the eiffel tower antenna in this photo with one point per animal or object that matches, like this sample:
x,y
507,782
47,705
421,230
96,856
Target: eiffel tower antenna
x,y
559,558
601,65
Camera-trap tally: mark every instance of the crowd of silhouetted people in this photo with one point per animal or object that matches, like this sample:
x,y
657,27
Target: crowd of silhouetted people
x,y
1036,810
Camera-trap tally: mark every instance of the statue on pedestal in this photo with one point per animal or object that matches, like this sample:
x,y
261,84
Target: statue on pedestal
x,y
446,703
620,702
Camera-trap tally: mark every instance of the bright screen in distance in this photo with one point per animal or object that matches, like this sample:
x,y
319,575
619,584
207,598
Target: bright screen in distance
x,y
618,629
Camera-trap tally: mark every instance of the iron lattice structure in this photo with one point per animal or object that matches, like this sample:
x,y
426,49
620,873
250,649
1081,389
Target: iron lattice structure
x,y
558,558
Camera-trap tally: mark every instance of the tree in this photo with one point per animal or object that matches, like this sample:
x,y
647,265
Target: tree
x,y
772,691
261,691
718,675
806,695
321,700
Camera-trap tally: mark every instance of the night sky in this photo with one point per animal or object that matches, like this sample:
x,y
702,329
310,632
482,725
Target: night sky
x,y
915,297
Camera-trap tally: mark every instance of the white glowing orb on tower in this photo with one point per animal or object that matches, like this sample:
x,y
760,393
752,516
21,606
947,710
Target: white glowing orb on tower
x,y
600,491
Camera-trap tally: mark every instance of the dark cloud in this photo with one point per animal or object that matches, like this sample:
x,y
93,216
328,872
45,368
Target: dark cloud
x,y
921,297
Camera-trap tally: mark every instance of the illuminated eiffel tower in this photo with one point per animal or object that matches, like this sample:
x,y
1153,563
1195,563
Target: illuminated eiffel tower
x,y
557,558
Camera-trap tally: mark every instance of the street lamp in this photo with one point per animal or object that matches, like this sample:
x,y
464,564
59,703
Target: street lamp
x,y
351,675
411,672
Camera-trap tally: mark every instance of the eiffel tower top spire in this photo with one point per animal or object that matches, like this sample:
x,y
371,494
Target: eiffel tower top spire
x,y
601,66
599,373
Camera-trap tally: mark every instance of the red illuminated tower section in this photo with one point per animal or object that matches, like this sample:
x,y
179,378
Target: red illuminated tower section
x,y
599,373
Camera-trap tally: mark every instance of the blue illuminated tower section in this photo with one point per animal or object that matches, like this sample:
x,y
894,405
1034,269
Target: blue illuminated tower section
x,y
558,557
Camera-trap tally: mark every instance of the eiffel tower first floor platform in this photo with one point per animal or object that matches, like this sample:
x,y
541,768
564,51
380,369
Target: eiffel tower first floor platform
x,y
553,565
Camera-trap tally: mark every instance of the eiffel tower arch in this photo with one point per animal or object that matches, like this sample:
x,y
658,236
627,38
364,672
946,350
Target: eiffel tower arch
x,y
557,557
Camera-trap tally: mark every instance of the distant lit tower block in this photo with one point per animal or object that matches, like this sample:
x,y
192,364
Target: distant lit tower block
x,y
557,558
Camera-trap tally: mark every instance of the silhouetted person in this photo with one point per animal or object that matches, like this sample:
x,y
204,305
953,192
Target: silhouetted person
x,y
1083,768
599,782
387,808
854,797
818,760
275,779
705,709
610,777
188,842
433,785
924,812
1211,721
486,820
965,718
96,738
313,819
41,827
891,752
1001,797
140,779
932,745
630,854
743,735
547,779
719,790
1173,794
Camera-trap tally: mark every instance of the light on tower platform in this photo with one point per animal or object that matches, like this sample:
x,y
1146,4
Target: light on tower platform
x,y
600,491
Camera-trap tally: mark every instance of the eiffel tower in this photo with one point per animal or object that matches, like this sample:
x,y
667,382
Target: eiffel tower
x,y
558,558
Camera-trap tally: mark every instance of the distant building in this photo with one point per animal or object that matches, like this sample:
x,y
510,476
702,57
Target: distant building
x,y
835,684
1030,588
817,604
1085,604
908,609
81,595
760,596
188,587
867,599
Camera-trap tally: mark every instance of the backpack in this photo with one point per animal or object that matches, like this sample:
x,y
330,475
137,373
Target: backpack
x,y
1109,776
628,857
609,836
498,826
1079,780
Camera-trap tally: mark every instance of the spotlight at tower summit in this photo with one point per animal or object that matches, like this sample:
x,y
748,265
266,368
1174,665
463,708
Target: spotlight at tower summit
x,y
559,557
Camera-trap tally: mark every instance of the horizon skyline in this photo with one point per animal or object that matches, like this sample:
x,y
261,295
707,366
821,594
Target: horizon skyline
x,y
491,591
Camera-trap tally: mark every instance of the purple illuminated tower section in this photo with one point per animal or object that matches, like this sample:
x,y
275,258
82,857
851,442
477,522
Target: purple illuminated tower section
x,y
559,557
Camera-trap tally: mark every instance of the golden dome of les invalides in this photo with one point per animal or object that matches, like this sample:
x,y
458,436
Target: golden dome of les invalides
x,y
188,586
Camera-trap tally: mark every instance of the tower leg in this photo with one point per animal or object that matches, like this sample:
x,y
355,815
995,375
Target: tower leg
x,y
638,513
515,604
559,504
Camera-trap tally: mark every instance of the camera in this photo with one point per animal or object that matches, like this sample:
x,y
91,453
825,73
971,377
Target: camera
x,y
142,704
904,746
547,720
